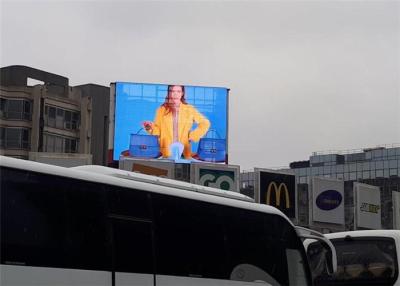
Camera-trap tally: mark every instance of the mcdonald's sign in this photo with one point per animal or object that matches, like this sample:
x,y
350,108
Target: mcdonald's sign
x,y
278,190
273,187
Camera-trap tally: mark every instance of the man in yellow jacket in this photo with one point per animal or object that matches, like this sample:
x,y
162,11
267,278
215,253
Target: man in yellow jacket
x,y
174,120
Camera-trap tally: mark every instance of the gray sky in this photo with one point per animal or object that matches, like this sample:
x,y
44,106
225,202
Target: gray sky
x,y
304,75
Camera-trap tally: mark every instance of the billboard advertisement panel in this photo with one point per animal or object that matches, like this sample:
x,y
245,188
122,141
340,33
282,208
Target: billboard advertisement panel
x,y
157,168
177,122
327,200
367,206
278,190
224,177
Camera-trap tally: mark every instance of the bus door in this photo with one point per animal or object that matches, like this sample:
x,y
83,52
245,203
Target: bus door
x,y
132,251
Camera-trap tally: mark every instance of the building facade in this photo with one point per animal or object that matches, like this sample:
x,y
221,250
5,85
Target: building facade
x,y
47,118
373,166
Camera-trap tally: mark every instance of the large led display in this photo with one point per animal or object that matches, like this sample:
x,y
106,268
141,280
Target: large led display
x,y
176,122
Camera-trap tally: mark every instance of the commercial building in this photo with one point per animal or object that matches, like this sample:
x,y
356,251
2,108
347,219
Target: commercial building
x,y
378,166
50,119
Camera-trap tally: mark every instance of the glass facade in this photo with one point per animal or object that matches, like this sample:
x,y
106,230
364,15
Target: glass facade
x,y
375,166
371,164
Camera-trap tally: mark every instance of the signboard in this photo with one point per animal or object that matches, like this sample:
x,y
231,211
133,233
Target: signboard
x,y
327,200
367,202
224,177
177,122
277,189
157,168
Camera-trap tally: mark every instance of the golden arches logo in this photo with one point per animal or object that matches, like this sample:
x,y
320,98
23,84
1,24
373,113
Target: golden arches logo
x,y
274,187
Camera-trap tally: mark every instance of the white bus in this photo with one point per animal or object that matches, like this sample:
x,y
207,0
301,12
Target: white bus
x,y
93,225
365,257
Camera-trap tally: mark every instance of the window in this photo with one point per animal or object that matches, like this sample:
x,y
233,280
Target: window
x,y
386,173
51,121
32,220
365,261
25,138
3,107
120,203
260,247
391,152
133,245
75,120
88,242
27,110
2,137
327,170
184,250
16,109
52,221
50,143
379,173
74,145
393,164
68,119
15,138
377,153
59,144
213,248
61,118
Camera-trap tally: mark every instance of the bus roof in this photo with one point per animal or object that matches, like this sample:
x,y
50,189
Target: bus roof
x,y
116,177
123,174
365,233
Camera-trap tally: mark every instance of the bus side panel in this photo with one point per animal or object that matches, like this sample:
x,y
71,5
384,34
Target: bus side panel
x,y
42,276
124,279
163,280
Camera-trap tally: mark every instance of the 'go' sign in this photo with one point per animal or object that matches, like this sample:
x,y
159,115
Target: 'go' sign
x,y
217,179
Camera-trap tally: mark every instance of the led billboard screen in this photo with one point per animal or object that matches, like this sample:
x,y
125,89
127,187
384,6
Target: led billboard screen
x,y
181,123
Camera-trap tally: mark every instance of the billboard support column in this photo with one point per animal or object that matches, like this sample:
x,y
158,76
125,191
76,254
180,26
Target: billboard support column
x,y
396,209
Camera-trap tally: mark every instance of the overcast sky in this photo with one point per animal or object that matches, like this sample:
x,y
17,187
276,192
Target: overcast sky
x,y
304,76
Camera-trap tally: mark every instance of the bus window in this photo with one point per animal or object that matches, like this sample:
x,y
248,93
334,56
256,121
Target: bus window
x,y
196,239
52,221
263,246
33,219
364,261
189,238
